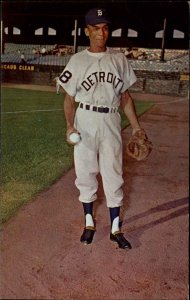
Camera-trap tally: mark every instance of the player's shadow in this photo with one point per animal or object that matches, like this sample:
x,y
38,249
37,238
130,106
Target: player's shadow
x,y
135,233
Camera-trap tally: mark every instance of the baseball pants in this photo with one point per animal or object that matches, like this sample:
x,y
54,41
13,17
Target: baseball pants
x,y
99,151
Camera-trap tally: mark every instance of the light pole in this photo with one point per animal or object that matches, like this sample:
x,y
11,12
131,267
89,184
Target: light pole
x,y
163,41
75,36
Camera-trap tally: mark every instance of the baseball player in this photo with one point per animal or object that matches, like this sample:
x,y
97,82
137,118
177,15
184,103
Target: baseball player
x,y
56,79
98,79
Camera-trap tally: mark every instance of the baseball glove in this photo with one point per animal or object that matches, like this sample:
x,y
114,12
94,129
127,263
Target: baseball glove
x,y
139,146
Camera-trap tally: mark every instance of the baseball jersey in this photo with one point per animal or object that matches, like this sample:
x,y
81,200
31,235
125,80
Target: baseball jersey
x,y
97,78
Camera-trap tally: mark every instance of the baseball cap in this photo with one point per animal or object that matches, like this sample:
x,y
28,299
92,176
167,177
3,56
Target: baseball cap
x,y
96,16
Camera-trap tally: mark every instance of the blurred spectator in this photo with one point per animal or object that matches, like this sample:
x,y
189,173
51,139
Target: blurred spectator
x,y
43,51
23,60
57,85
129,52
135,53
142,55
35,51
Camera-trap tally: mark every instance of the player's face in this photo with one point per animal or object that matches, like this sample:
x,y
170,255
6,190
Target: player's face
x,y
98,35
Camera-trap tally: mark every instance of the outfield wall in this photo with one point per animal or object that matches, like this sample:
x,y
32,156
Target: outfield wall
x,y
155,82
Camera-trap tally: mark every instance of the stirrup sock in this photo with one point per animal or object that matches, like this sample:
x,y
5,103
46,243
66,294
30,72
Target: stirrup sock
x,y
114,216
88,208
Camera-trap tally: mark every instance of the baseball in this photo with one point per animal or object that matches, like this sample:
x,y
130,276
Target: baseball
x,y
74,137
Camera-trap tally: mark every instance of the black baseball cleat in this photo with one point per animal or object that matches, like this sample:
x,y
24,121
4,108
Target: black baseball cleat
x,y
87,235
120,240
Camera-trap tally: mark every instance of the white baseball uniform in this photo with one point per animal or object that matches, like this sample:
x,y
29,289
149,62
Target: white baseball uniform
x,y
96,80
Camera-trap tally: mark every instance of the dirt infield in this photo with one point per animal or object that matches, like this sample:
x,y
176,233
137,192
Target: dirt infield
x,y
42,257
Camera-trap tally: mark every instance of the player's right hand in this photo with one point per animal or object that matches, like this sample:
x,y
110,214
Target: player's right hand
x,y
70,130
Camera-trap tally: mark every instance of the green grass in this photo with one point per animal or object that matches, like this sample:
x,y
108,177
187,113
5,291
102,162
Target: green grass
x,y
34,151
141,108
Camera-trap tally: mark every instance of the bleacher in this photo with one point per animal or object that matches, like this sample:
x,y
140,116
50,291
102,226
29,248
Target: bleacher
x,y
46,60
24,48
10,58
176,59
52,60
12,54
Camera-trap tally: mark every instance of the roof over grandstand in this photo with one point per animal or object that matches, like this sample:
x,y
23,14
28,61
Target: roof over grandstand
x,y
146,17
153,9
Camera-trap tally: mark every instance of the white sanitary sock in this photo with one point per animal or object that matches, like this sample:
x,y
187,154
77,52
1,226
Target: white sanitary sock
x,y
89,220
115,225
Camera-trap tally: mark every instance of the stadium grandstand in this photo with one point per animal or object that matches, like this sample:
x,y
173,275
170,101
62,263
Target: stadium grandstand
x,y
43,37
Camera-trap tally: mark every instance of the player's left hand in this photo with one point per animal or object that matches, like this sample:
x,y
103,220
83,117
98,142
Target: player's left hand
x,y
139,146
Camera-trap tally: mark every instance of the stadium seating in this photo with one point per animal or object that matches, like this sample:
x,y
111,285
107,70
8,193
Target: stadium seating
x,y
177,60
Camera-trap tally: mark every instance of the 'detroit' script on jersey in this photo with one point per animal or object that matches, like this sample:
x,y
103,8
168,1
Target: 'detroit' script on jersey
x,y
97,78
